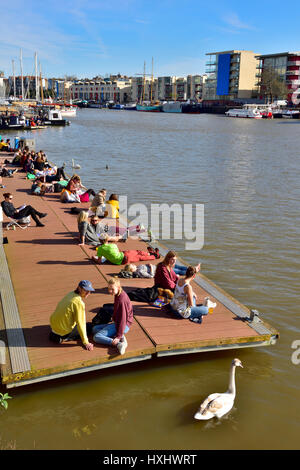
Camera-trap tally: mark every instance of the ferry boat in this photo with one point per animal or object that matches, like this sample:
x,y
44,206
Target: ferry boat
x,y
247,111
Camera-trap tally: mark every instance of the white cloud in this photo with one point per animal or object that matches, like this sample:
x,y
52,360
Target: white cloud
x,y
233,20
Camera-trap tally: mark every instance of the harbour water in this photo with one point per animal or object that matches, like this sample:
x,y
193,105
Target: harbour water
x,y
246,173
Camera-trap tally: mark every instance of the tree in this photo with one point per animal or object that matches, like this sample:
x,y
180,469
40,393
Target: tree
x,y
273,85
71,78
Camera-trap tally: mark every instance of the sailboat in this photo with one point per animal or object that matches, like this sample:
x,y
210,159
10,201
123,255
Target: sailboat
x,y
147,106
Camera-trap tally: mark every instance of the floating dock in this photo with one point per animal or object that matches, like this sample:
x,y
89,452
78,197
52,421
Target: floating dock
x,y
39,266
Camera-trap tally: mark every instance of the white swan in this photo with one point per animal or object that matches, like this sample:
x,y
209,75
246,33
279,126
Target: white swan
x,y
218,404
75,166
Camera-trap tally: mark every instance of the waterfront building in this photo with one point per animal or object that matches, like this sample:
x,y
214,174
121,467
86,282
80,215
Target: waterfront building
x,y
195,87
180,89
285,66
230,75
166,88
102,90
143,89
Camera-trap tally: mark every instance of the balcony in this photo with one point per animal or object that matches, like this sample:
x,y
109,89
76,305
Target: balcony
x,y
293,62
293,82
293,72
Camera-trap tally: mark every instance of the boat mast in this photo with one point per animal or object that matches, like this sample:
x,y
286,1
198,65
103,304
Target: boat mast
x,y
21,66
36,78
144,83
41,83
151,83
175,88
14,78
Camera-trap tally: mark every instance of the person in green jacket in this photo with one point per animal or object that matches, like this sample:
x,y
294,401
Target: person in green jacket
x,y
111,253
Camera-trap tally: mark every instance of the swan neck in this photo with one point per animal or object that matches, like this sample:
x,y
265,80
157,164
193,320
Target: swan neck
x,y
231,388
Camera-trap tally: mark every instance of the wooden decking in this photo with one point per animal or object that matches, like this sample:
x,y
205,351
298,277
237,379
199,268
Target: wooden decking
x,y
40,265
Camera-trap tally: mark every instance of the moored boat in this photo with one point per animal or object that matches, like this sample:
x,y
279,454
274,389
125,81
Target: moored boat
x,y
148,107
12,122
191,108
54,118
172,107
130,107
117,106
68,112
247,111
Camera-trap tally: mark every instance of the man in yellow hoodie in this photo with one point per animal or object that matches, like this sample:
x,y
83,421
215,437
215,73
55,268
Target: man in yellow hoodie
x,y
68,320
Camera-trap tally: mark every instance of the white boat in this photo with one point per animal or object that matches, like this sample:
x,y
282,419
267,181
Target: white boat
x,y
247,111
290,114
68,112
172,107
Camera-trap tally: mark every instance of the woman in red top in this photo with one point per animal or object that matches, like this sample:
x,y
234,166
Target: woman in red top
x,y
168,272
113,334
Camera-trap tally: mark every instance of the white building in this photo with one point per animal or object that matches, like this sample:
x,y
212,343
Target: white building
x,y
118,91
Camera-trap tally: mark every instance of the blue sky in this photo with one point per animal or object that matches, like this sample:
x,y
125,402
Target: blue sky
x,y
88,38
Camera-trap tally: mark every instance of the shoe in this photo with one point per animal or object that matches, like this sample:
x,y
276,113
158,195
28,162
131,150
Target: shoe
x,y
122,345
209,304
125,236
43,214
40,225
196,320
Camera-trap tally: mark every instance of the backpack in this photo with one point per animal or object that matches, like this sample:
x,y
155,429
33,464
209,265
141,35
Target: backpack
x,y
104,315
149,294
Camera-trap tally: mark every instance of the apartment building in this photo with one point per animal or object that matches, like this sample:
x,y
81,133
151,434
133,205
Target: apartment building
x,y
195,87
284,65
230,75
144,89
103,90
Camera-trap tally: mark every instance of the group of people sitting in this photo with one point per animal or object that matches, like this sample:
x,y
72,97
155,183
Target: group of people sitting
x,y
5,145
68,322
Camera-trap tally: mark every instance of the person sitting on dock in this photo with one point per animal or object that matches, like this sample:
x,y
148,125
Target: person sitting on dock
x,y
75,191
98,204
113,334
7,172
92,233
167,272
23,211
68,322
111,253
112,207
3,145
183,302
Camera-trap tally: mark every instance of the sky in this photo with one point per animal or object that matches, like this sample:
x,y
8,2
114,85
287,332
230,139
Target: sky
x,y
95,37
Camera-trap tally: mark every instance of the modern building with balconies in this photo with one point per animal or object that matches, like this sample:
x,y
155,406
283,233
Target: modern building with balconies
x,y
285,66
230,75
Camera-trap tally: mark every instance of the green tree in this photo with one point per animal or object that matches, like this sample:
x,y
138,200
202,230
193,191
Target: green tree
x,y
272,85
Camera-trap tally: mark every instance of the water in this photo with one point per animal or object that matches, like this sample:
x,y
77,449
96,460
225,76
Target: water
x,y
246,173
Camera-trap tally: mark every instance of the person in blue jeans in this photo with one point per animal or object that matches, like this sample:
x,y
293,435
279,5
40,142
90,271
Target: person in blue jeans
x,y
184,300
113,334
